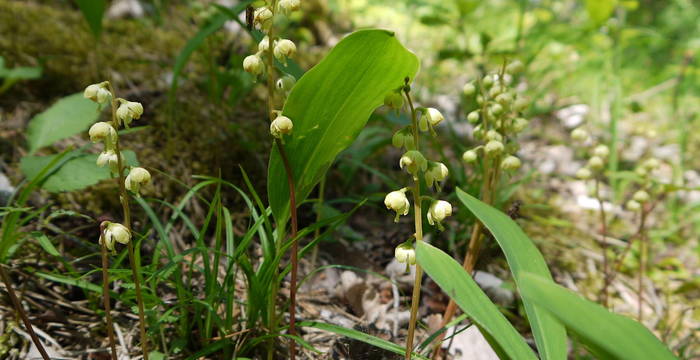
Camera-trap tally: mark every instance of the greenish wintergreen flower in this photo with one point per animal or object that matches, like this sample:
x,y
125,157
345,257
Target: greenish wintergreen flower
x,y
633,205
403,138
405,254
414,162
284,49
493,147
469,89
584,173
137,177
430,117
473,117
436,172
438,211
253,64
641,196
113,232
469,156
579,134
102,131
601,151
98,93
510,163
595,163
289,6
398,202
109,158
262,18
393,100
519,124
128,111
282,125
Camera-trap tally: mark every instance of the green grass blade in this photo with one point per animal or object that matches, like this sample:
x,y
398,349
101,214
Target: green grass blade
x,y
456,283
608,335
522,255
358,335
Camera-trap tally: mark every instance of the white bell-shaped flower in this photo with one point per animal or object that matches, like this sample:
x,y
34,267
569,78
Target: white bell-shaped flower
x,y
398,202
137,177
438,211
282,125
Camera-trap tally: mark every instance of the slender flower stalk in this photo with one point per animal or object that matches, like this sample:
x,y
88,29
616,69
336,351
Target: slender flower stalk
x,y
124,199
418,222
604,243
106,300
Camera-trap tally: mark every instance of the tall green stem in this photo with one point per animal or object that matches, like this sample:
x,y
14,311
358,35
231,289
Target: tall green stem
x,y
604,243
106,301
124,199
418,221
270,63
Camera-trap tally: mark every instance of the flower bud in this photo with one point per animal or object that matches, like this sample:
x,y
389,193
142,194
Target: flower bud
x,y
438,211
633,205
496,109
403,138
393,100
113,232
253,64
262,17
493,147
263,45
601,151
651,164
97,93
128,111
414,162
137,177
473,117
405,254
283,49
505,99
469,89
641,196
282,125
584,173
289,6
109,157
510,163
579,134
494,135
469,156
430,117
103,131
488,81
286,83
519,124
436,172
595,163
398,202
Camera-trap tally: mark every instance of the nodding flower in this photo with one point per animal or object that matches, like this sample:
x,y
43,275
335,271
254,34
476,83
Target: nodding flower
x,y
113,232
398,202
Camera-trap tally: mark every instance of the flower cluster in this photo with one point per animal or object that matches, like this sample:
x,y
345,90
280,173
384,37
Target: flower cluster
x,y
498,119
641,196
416,165
124,112
599,154
282,49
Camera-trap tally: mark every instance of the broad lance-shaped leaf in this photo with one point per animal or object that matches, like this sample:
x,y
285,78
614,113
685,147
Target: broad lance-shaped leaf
x,y
522,255
460,286
67,117
605,334
329,106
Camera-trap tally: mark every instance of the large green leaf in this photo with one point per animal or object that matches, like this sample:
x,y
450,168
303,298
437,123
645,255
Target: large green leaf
x,y
460,286
67,117
93,11
75,173
522,255
607,335
329,106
